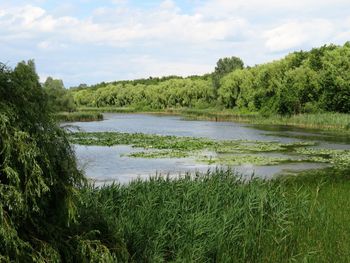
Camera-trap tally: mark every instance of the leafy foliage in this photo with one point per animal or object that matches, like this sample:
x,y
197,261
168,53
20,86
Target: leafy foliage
x,y
59,98
39,179
225,66
170,93
302,82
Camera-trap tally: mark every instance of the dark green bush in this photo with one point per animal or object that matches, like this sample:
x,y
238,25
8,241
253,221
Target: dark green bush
x,y
39,179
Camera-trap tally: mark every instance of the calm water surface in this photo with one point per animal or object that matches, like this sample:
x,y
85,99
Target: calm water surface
x,y
105,164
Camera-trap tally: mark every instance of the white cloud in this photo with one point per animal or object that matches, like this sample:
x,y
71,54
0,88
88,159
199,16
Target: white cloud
x,y
229,7
294,34
157,68
164,23
25,19
118,2
163,39
48,45
44,45
168,4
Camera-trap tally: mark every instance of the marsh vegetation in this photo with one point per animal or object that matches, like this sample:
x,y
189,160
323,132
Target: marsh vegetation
x,y
218,217
79,116
227,152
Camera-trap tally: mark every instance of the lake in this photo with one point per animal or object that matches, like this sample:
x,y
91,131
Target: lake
x,y
106,164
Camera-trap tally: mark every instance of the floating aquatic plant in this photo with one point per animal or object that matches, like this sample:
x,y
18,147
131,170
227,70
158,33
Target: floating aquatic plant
x,y
227,152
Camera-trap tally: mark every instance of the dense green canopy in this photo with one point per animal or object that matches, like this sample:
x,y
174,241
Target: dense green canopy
x,y
302,82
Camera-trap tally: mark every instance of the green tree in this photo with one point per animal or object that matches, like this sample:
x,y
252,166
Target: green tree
x,y
336,79
301,91
59,98
37,167
39,179
225,66
230,89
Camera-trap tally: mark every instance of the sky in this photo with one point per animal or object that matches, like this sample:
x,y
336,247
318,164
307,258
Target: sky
x,y
86,41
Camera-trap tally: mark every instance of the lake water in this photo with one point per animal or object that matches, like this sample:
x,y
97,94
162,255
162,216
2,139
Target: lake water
x,y
106,164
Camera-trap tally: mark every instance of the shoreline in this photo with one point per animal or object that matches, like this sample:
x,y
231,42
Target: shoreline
x,y
332,122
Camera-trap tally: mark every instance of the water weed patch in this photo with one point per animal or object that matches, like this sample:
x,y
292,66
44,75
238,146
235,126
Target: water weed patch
x,y
225,152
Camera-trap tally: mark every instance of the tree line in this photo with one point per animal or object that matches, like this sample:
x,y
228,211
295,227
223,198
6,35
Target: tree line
x,y
302,82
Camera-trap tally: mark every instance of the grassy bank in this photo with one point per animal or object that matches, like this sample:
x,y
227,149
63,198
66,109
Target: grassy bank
x,y
109,109
218,218
325,121
79,116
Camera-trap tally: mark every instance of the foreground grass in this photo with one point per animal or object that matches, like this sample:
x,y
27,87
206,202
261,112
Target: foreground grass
x,y
325,121
218,218
79,116
329,230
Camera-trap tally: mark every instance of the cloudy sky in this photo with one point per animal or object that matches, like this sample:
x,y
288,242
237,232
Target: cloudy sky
x,y
86,41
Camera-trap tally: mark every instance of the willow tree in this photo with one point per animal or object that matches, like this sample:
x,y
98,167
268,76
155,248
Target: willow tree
x,y
39,179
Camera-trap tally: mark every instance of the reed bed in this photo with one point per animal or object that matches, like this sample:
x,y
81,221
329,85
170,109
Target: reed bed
x,y
331,121
217,217
325,121
108,109
79,116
